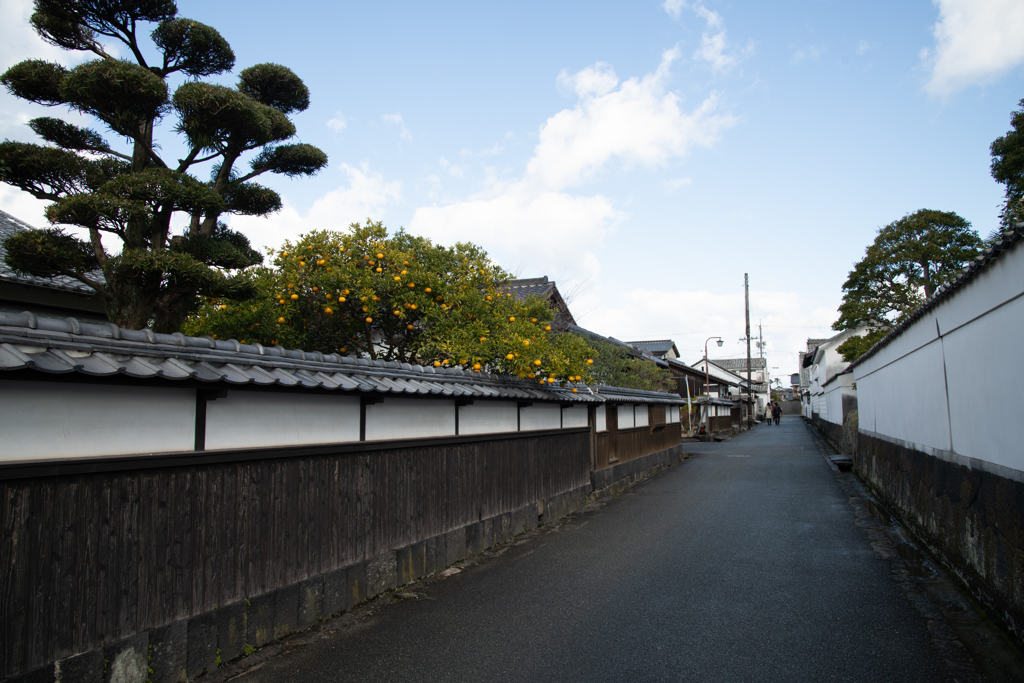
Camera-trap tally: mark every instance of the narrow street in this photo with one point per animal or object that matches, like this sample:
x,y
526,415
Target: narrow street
x,y
743,563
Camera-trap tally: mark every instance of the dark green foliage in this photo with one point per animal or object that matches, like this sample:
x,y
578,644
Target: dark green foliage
x,y
290,160
158,278
275,86
121,94
615,366
856,346
909,259
197,49
66,135
223,248
36,80
50,252
1008,168
251,199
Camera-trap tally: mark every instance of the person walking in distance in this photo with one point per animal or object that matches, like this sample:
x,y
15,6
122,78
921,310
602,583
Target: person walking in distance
x,y
777,413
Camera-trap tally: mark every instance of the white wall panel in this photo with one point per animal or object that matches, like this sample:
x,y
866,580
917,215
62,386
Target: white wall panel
x,y
540,416
574,416
641,416
250,419
997,284
910,398
601,424
626,418
985,395
56,420
409,418
488,417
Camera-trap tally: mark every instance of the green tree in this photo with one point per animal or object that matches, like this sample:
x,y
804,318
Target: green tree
x,y
398,298
909,259
130,191
615,367
1008,169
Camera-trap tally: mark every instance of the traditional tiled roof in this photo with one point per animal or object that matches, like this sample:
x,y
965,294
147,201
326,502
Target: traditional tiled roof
x,y
629,348
734,364
547,289
65,346
9,226
1007,241
657,347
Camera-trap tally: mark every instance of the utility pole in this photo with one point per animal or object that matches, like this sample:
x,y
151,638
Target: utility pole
x,y
750,388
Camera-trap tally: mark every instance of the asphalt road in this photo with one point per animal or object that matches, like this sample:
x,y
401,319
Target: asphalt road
x,y
741,564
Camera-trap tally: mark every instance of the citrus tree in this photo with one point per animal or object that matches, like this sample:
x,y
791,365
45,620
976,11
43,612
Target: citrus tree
x,y
614,366
397,297
126,191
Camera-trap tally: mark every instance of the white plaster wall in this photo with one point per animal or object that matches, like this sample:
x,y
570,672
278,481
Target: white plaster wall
x,y
907,399
540,416
574,416
601,424
641,415
488,417
626,417
985,395
42,420
409,418
249,419
671,414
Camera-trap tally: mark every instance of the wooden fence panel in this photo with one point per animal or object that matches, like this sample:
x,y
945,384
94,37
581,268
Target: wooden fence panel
x,y
90,558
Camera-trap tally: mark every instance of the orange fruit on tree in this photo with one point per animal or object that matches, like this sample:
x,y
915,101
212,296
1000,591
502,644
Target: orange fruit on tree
x,y
295,297
397,278
341,299
547,328
329,311
379,269
369,320
380,255
280,320
408,327
224,308
574,391
536,362
302,263
437,364
280,301
476,366
512,319
590,361
510,357
526,342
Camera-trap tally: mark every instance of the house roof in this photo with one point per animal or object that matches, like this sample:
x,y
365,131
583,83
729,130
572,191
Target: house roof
x,y
626,346
10,226
734,364
67,346
541,286
656,348
722,373
1007,241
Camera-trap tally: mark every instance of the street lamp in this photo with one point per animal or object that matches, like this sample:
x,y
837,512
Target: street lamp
x,y
707,380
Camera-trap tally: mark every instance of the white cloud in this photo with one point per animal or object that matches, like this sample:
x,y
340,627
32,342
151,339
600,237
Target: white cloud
x,y
23,206
455,171
714,44
689,317
675,184
863,46
549,230
532,219
397,120
367,195
975,41
637,123
809,52
338,123
599,79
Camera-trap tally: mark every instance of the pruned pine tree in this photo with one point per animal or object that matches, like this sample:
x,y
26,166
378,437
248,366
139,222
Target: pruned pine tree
x,y
128,190
909,259
1008,169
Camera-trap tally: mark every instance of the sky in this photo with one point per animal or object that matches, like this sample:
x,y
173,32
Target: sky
x,y
643,155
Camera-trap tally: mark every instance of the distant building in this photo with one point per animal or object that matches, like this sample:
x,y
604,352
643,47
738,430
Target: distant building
x,y
662,348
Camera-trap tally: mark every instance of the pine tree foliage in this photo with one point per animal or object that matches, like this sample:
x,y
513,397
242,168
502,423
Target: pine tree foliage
x,y
129,192
1008,169
909,259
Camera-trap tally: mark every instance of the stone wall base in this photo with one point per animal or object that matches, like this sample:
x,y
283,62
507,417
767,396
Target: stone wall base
x,y
972,520
618,477
186,649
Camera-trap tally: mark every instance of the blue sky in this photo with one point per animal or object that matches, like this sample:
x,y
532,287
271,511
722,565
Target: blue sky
x,y
644,155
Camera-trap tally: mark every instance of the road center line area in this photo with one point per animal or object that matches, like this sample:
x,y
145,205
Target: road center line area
x,y
720,569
